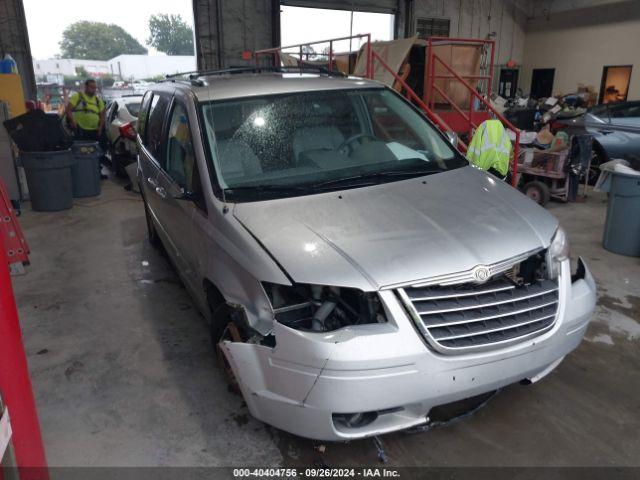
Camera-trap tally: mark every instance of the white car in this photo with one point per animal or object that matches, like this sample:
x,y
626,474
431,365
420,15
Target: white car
x,y
140,86
121,121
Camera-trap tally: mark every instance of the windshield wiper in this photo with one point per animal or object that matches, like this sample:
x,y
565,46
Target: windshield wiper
x,y
366,179
265,189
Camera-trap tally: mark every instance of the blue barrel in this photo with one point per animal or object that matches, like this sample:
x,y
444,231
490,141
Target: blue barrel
x,y
49,179
86,171
622,228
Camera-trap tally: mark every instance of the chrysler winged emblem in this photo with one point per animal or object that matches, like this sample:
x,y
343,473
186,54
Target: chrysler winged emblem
x,y
481,273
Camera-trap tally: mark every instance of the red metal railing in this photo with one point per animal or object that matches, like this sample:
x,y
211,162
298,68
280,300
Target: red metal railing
x,y
433,59
428,103
413,97
440,41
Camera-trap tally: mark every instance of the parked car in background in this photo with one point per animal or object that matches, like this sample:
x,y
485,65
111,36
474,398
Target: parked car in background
x,y
615,128
140,86
355,269
121,121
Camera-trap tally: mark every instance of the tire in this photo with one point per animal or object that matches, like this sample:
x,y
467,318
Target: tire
x,y
118,159
594,169
223,326
538,192
152,233
221,317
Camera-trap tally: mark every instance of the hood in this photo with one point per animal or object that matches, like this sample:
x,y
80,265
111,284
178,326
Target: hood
x,y
379,236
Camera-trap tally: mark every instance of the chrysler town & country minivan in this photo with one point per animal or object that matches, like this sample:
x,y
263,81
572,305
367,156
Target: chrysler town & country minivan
x,y
356,270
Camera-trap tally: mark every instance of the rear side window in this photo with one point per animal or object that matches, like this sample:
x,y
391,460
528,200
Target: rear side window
x,y
133,107
144,114
157,114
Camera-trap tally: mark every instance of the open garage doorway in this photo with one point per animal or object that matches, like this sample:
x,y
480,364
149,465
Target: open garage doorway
x,y
305,24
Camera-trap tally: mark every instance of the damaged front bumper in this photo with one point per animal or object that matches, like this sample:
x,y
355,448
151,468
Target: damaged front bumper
x,y
372,379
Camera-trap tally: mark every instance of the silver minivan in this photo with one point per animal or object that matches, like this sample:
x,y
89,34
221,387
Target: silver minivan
x,y
355,269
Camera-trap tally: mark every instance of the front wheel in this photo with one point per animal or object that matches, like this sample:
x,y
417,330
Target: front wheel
x,y
224,328
594,167
538,192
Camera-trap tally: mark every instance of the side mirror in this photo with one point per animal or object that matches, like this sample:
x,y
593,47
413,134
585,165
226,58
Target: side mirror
x,y
452,137
187,195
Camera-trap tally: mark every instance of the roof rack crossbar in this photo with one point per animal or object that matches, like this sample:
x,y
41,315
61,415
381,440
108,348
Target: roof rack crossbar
x,y
194,75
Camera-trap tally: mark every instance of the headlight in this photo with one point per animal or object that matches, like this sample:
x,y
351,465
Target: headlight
x,y
558,251
319,308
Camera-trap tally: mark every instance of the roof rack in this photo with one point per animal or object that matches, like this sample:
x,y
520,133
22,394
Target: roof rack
x,y
194,76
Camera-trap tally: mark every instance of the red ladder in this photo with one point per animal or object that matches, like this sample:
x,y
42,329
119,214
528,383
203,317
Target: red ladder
x,y
12,239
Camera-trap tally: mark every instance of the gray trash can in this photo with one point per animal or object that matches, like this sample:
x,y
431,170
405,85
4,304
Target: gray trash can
x,y
49,179
86,171
622,228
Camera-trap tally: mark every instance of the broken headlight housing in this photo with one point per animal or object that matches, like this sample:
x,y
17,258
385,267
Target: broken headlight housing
x,y
318,308
558,252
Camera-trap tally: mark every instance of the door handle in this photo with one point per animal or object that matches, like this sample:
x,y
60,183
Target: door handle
x,y
152,181
161,192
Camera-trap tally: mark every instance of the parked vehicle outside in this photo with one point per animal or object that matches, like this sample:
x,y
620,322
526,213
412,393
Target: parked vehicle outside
x,y
121,120
140,86
356,271
615,128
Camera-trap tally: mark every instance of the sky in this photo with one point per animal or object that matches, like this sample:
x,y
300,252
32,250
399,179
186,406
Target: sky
x,y
300,25
47,19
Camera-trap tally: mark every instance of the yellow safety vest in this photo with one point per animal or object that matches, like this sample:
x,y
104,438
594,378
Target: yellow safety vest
x,y
86,110
490,147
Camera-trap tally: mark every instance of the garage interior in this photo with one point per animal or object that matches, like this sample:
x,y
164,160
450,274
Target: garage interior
x,y
120,359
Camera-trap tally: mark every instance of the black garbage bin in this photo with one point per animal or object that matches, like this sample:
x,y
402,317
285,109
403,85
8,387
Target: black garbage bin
x,y
86,171
49,179
622,228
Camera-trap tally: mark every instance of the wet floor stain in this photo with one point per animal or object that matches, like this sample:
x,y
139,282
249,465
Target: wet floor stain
x,y
170,280
72,369
618,305
601,338
241,419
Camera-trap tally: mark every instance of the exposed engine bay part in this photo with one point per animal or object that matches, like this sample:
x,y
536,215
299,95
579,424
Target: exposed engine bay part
x,y
320,308
533,269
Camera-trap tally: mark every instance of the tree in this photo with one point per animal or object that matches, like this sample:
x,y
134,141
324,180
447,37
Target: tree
x,y
81,72
97,41
170,34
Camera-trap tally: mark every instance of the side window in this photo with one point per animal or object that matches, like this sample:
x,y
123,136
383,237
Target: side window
x,y
180,156
157,114
113,112
144,114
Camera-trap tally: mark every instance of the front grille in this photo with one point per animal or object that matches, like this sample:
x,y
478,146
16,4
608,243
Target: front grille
x,y
472,316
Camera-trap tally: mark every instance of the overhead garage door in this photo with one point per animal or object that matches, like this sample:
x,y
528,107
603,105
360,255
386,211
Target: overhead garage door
x,y
378,6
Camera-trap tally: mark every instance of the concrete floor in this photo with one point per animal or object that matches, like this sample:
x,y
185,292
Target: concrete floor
x,y
124,375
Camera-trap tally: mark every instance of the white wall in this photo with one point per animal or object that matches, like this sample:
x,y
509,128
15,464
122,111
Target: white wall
x,y
579,44
67,66
137,67
140,67
476,19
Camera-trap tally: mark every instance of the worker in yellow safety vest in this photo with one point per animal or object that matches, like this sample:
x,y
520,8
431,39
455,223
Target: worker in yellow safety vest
x,y
85,113
490,148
